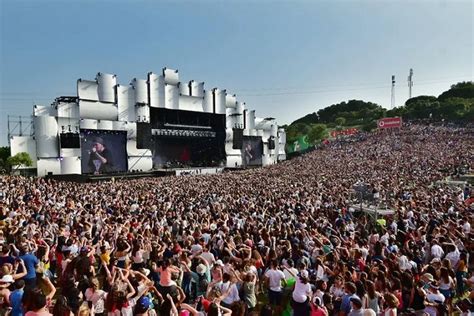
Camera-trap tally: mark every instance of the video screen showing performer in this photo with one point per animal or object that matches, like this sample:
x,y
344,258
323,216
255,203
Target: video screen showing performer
x,y
252,151
103,152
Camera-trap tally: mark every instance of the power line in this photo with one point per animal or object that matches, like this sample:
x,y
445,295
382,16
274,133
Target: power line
x,y
346,85
32,97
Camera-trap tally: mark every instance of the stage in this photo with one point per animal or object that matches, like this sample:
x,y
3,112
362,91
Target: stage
x,y
89,178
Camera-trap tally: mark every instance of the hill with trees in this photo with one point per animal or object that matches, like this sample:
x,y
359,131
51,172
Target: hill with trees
x,y
453,105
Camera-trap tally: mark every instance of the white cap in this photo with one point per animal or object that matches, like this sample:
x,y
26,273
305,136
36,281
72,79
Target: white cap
x,y
201,269
7,279
304,274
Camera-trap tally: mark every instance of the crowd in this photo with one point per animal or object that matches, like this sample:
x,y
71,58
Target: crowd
x,y
281,240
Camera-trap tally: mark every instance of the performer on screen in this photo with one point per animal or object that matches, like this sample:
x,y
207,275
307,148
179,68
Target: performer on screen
x,y
100,159
248,154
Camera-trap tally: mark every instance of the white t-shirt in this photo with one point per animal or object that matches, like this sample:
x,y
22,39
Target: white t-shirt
x,y
432,297
275,277
209,257
233,294
97,298
437,251
301,291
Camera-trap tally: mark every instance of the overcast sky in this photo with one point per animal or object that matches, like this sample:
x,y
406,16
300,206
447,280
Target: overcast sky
x,y
285,59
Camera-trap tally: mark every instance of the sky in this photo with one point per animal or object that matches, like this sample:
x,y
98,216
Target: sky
x,y
285,59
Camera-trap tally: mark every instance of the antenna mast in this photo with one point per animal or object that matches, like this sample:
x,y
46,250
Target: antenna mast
x,y
410,83
393,91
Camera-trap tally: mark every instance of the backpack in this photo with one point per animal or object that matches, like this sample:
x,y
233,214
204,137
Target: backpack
x,y
202,283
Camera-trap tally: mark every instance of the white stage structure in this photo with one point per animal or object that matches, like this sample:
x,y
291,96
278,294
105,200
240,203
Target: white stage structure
x,y
104,104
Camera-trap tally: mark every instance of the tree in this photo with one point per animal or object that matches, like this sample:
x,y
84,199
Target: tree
x,y
340,121
422,107
463,90
369,126
317,133
4,154
20,159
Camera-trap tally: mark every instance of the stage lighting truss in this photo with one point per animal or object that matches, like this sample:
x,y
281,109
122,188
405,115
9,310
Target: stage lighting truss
x,y
182,133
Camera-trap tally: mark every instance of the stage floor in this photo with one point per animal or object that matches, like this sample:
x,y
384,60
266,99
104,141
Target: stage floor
x,y
87,178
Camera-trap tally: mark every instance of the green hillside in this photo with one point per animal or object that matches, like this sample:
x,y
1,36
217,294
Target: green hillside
x,y
453,105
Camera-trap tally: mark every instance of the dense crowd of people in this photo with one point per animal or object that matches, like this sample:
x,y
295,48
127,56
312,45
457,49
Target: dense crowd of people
x,y
287,239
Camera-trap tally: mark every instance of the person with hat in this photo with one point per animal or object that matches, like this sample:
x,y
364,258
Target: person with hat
x,y
434,299
100,158
301,294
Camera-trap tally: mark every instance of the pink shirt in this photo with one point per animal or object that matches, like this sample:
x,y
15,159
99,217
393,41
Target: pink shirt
x,y
42,313
165,277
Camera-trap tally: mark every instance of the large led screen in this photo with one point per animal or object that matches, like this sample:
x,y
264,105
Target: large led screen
x,y
252,151
103,151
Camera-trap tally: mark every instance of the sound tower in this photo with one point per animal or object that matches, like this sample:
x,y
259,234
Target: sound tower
x,y
237,140
271,143
144,140
70,140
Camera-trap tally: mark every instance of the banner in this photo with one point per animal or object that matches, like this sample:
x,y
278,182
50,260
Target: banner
x,y
345,132
390,122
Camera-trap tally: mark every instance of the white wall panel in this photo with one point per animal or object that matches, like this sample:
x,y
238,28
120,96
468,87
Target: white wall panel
x,y
131,128
70,152
118,125
171,97
88,124
68,109
220,101
143,113
260,132
187,103
171,76
70,165
27,144
197,89
157,90
107,83
230,101
183,88
46,134
234,161
126,103
140,163
250,120
232,118
208,101
87,90
231,151
133,151
98,110
240,107
43,110
282,136
274,130
105,125
46,165
141,90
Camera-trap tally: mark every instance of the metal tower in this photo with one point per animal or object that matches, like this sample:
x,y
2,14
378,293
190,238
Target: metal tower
x,y
410,83
393,91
